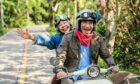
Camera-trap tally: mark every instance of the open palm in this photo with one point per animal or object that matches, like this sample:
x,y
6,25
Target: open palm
x,y
24,33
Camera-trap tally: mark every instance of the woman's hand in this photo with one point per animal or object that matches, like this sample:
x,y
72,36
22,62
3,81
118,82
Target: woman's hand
x,y
25,34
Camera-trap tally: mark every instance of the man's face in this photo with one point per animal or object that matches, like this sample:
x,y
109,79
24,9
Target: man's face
x,y
87,27
64,26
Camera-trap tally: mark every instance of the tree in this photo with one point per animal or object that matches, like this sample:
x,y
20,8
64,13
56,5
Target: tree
x,y
111,23
126,49
75,10
2,17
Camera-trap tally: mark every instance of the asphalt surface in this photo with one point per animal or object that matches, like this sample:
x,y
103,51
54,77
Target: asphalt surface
x,y
21,62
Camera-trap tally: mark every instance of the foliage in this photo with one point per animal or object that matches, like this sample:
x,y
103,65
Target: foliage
x,y
101,63
18,13
101,27
126,49
14,13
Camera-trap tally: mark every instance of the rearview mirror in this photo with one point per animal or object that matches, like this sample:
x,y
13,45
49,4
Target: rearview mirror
x,y
54,61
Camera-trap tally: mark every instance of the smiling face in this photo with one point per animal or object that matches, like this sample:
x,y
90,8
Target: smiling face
x,y
64,26
87,27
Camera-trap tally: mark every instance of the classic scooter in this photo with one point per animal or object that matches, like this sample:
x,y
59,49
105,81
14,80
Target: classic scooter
x,y
96,75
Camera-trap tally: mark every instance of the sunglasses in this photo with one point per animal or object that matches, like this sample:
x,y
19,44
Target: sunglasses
x,y
87,15
61,18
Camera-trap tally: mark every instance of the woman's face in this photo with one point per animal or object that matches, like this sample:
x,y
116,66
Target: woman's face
x,y
64,26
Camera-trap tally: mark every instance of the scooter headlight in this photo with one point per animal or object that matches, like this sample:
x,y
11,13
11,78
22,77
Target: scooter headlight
x,y
93,71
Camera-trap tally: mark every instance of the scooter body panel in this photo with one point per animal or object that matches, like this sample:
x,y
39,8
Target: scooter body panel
x,y
99,81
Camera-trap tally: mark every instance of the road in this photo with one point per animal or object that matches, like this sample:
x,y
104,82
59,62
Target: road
x,y
21,62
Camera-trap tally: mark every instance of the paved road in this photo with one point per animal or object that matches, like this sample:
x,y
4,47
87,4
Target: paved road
x,y
24,63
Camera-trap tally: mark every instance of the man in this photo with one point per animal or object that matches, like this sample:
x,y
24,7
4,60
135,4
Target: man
x,y
81,47
63,25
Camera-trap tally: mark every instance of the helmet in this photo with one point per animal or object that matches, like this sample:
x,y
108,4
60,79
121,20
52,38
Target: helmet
x,y
61,18
85,15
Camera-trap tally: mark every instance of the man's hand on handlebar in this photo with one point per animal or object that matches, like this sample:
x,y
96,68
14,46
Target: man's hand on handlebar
x,y
115,70
61,74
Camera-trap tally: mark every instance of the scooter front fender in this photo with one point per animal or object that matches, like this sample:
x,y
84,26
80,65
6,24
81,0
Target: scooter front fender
x,y
98,81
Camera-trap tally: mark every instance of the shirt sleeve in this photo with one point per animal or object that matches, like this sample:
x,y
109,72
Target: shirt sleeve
x,y
62,50
44,40
105,54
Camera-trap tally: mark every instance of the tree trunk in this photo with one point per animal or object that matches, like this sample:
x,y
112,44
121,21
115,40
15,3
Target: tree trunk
x,y
55,6
75,11
111,24
68,8
27,14
2,16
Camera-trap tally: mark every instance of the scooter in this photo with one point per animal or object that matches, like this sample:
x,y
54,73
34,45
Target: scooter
x,y
96,75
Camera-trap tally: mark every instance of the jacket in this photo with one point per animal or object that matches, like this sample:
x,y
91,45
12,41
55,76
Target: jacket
x,y
69,51
50,42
